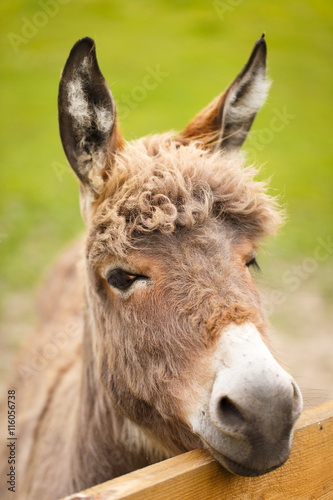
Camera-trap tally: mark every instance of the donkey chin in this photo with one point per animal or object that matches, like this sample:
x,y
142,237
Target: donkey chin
x,y
247,420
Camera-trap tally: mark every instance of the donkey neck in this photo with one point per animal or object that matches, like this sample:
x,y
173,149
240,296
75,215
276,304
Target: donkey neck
x,y
102,434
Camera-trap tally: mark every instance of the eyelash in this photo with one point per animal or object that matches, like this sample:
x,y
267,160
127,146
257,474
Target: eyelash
x,y
122,280
253,262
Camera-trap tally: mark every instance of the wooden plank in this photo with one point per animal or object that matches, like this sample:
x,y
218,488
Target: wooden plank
x,y
308,474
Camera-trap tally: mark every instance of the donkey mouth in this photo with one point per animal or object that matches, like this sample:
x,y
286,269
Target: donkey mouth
x,y
239,469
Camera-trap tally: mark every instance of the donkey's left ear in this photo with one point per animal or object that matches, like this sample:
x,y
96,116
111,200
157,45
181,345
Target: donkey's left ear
x,y
226,121
87,117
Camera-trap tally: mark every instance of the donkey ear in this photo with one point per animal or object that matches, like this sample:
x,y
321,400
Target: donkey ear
x,y
87,117
225,122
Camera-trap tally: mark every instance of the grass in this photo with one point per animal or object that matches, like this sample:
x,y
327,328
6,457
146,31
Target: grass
x,y
201,46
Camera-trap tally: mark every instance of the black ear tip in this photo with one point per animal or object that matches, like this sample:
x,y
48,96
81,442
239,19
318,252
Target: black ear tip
x,y
260,47
83,47
86,41
261,42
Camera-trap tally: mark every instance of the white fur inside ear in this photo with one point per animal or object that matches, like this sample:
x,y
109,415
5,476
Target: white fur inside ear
x,y
85,65
255,94
84,115
77,104
104,119
96,167
89,117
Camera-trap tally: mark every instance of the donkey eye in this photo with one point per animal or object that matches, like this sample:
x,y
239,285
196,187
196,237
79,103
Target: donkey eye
x,y
253,262
118,278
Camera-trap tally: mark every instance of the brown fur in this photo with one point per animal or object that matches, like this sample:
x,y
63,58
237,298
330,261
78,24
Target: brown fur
x,y
155,184
118,393
205,126
147,198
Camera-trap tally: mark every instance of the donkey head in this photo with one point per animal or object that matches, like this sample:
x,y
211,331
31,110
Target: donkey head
x,y
175,329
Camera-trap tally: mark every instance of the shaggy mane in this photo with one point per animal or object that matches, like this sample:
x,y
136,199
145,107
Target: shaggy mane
x,y
158,184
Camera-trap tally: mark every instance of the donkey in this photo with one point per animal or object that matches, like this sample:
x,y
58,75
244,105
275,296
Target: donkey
x,y
169,348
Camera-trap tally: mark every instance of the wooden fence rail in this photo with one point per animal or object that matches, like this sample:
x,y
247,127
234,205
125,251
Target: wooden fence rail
x,y
308,474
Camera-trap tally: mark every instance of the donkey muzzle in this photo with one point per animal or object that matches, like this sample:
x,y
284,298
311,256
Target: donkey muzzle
x,y
252,408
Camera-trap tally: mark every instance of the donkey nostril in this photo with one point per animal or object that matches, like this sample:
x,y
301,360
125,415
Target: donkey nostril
x,y
229,413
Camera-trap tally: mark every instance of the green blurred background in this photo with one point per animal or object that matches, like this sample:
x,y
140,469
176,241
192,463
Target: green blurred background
x,y
200,46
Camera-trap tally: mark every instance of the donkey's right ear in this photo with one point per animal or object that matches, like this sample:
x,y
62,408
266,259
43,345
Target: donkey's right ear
x,y
87,117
